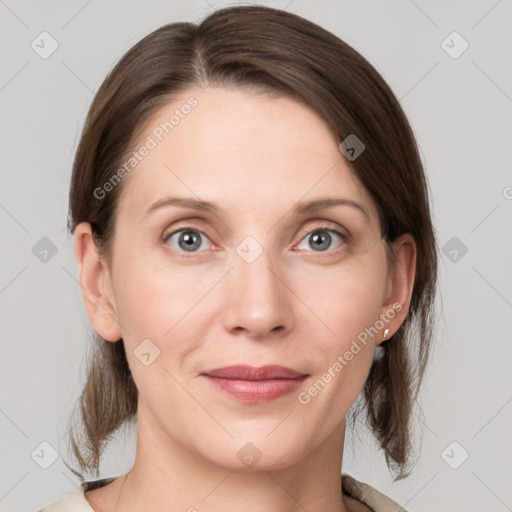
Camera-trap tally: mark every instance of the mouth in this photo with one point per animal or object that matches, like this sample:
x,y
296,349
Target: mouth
x,y
255,384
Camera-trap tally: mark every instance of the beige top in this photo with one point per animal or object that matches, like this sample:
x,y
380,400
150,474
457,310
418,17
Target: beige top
x,y
75,501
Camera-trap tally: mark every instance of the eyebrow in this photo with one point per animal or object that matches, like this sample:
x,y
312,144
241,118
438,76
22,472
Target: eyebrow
x,y
302,208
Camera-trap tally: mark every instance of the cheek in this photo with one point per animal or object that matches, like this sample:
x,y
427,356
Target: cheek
x,y
343,356
345,301
171,307
157,305
151,298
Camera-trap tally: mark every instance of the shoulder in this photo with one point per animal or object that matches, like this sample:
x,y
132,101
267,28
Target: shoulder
x,y
75,500
368,495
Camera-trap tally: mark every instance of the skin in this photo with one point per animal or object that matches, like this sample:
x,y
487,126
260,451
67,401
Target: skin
x,y
255,156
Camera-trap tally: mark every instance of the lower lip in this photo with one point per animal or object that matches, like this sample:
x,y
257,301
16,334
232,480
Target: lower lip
x,y
256,391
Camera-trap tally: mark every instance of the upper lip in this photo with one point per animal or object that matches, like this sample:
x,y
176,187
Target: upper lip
x,y
243,372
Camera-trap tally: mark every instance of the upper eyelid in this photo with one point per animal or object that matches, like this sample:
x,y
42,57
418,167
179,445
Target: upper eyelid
x,y
328,225
173,231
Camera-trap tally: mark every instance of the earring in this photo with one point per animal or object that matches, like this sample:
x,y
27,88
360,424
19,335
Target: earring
x,y
385,334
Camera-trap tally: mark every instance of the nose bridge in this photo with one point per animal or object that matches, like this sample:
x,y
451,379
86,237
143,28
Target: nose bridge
x,y
254,265
257,295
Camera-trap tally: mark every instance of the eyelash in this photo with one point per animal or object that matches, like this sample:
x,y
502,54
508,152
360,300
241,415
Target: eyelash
x,y
330,229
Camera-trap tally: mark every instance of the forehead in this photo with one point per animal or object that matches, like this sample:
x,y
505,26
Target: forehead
x,y
238,146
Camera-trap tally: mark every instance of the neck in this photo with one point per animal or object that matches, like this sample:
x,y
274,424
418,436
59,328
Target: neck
x,y
167,476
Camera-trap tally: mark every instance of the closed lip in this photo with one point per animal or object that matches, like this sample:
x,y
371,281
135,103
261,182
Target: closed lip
x,y
244,372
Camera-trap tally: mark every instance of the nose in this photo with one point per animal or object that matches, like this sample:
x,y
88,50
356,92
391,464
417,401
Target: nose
x,y
258,302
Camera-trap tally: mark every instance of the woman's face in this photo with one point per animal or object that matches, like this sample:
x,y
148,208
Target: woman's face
x,y
197,288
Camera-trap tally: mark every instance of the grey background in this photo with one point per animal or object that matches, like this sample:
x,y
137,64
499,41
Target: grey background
x,y
460,109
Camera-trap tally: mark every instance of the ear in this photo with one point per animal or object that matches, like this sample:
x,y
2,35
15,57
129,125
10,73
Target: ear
x,y
95,282
397,297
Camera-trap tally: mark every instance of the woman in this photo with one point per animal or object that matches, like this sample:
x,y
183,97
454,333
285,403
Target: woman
x,y
257,257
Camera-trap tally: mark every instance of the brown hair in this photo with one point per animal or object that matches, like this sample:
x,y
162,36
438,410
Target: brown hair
x,y
279,52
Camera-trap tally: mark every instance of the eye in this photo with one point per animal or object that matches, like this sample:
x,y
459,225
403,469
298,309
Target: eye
x,y
192,240
320,239
187,239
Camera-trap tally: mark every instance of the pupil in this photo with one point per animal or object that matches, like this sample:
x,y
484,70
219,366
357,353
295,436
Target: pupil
x,y
191,240
324,240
